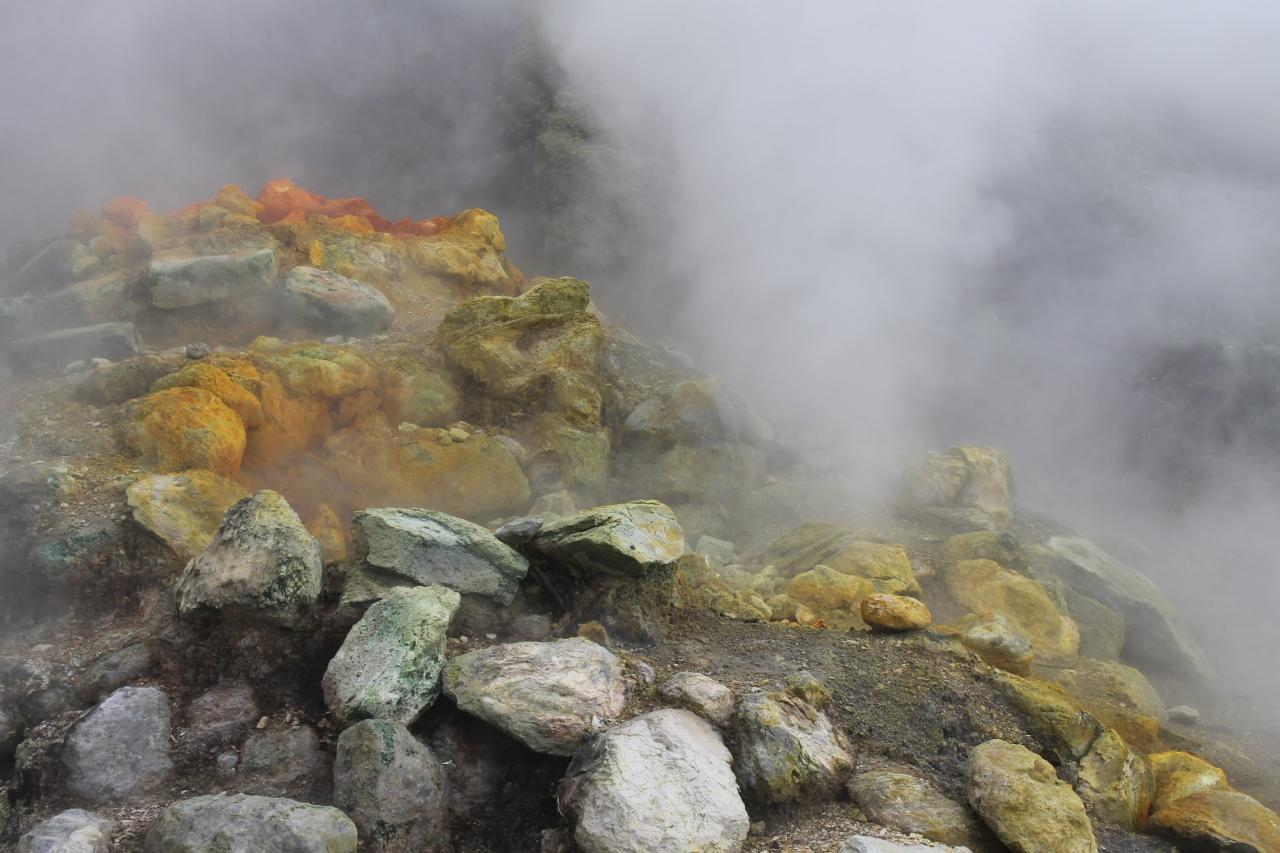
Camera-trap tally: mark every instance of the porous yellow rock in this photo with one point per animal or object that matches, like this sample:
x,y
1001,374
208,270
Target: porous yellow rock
x,y
1115,783
320,370
885,612
832,596
887,565
183,510
1219,820
1181,774
218,383
181,428
984,586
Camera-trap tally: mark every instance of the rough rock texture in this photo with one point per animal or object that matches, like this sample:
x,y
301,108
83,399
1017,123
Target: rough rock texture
x,y
552,697
1180,774
786,749
220,716
183,510
261,565
114,670
969,486
392,786
285,763
179,279
1157,634
72,831
834,597
996,640
1020,797
51,352
659,782
1219,820
330,304
435,548
868,844
626,539
910,804
986,587
389,665
220,384
182,428
242,823
1115,783
1053,714
886,612
120,748
702,694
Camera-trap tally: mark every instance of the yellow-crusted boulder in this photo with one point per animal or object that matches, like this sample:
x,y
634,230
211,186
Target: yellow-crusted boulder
x,y
1219,820
183,510
218,383
984,586
884,612
181,428
1181,774
833,597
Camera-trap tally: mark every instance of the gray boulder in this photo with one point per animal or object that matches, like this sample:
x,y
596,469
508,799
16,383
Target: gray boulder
x,y
552,697
49,268
626,539
261,565
72,831
242,823
905,802
114,670
120,748
659,782
434,548
389,665
393,787
286,763
179,279
702,694
330,304
1020,797
50,353
786,749
221,715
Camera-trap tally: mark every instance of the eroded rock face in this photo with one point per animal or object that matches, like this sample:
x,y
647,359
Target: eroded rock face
x,y
998,642
907,803
72,831
120,748
1115,783
661,781
392,786
627,539
702,694
242,823
183,510
435,548
969,487
1219,820
261,565
552,697
389,665
787,749
1020,797
330,304
986,587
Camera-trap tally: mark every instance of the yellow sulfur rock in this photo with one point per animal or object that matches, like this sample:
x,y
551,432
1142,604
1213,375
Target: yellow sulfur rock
x,y
833,597
218,383
181,428
984,586
1180,774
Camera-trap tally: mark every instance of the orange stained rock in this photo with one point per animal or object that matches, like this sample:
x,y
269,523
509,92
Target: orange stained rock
x,y
236,200
83,224
125,211
220,384
357,224
337,207
181,428
282,197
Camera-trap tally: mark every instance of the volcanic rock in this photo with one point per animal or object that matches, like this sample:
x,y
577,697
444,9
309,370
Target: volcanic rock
x,y
1053,714
661,781
702,694
1020,797
997,641
1115,783
49,353
114,670
883,612
869,844
242,823
627,539
968,487
286,763
218,383
786,749
909,804
120,748
183,510
392,786
1219,820
220,716
180,279
389,665
435,548
182,428
1180,774
50,267
330,304
261,565
552,697
986,587
834,597
72,831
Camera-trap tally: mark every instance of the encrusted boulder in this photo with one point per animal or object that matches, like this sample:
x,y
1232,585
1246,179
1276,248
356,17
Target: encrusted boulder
x,y
1115,783
243,823
434,548
968,487
905,802
702,694
183,510
998,642
1219,820
326,303
220,384
785,749
389,665
627,539
883,612
120,749
1020,797
49,353
72,831
1180,774
986,587
661,781
181,428
261,565
834,597
392,786
552,697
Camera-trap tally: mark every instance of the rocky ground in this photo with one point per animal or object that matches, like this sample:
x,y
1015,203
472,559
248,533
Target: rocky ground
x,y
329,532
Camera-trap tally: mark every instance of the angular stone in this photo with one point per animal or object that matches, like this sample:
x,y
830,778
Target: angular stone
x,y
221,715
286,763
702,694
1115,783
114,670
1156,635
986,587
552,697
996,640
1109,684
389,665
785,749
834,597
51,352
393,787
184,511
218,383
179,279
627,539
907,803
120,749
331,304
242,823
884,612
1020,797
1219,820
72,831
434,548
261,565
661,781
1054,715
47,269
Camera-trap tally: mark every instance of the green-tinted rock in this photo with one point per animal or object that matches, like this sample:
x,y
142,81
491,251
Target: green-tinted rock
x,y
787,750
1054,716
1002,548
1102,628
628,539
389,665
